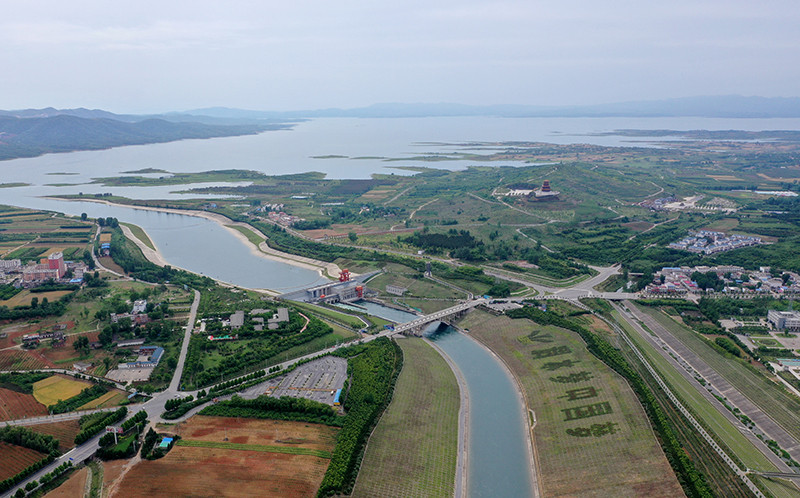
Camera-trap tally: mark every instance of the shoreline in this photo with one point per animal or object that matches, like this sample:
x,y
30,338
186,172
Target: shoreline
x,y
262,250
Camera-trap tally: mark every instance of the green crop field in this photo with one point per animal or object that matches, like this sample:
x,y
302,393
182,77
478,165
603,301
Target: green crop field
x,y
412,451
592,437
770,397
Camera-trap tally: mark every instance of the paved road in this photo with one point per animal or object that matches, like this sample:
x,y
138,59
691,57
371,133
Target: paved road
x,y
176,379
760,418
60,417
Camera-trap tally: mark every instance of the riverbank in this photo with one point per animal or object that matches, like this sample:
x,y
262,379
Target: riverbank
x,y
323,268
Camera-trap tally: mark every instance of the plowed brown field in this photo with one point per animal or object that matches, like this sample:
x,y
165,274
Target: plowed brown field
x,y
64,431
14,405
15,359
264,432
15,459
193,471
189,471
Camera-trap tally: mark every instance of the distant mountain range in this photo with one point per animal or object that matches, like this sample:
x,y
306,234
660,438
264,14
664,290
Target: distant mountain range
x,y
32,132
731,106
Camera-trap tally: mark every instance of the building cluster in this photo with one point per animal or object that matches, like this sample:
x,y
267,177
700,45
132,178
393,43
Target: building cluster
x,y
236,321
52,268
707,242
736,280
282,218
105,244
658,204
138,314
56,336
545,192
271,207
147,357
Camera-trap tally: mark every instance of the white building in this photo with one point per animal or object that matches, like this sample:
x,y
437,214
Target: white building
x,y
784,320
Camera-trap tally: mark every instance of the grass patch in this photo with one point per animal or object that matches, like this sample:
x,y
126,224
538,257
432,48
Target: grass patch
x,y
252,237
626,461
140,234
412,451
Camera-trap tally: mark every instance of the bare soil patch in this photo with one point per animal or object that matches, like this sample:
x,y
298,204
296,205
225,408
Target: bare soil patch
x,y
75,486
195,471
64,431
15,459
14,405
264,432
187,471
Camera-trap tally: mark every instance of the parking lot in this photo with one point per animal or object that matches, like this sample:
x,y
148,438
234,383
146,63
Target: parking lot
x,y
317,380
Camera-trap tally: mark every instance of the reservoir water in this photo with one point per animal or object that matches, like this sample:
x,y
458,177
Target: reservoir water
x,y
197,244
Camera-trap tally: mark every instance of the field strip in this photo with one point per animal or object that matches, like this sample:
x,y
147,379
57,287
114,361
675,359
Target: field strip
x,y
254,447
698,427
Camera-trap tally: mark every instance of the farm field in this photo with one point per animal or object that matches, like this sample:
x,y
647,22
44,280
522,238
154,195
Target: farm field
x,y
260,432
15,359
213,471
15,459
111,398
51,390
24,298
73,487
14,405
64,431
775,401
413,450
613,453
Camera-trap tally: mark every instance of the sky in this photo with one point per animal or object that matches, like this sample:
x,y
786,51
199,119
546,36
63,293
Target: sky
x,y
147,56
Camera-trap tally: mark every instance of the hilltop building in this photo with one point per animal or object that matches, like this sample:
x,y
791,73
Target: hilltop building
x,y
545,192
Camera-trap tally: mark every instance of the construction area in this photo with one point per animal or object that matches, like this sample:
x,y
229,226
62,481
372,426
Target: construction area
x,y
316,380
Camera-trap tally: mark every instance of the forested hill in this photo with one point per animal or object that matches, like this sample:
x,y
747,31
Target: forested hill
x,y
34,136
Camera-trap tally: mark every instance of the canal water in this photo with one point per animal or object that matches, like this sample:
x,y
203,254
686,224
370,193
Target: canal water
x,y
499,463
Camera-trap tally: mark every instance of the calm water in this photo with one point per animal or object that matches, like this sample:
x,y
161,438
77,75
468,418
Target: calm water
x,y
198,245
498,452
498,435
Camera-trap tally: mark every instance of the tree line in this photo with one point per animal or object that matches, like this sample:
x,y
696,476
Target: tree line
x,y
373,372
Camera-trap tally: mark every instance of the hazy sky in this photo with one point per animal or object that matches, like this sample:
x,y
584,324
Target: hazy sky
x,y
148,56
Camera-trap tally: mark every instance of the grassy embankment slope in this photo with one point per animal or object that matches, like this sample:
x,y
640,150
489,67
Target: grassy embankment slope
x,y
412,451
623,459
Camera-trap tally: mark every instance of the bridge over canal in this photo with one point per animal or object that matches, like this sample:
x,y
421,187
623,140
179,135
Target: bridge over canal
x,y
416,326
